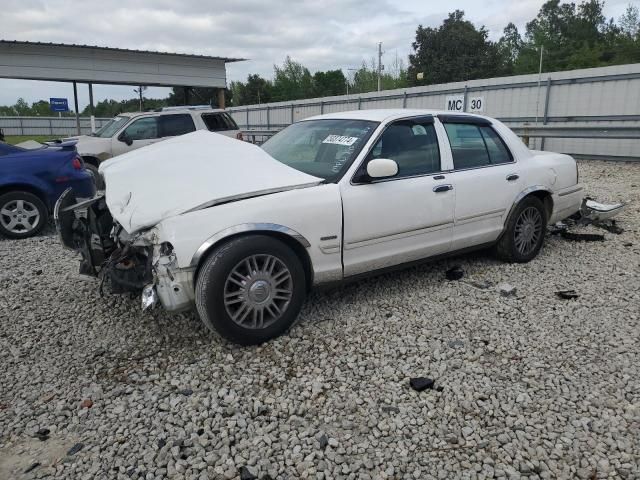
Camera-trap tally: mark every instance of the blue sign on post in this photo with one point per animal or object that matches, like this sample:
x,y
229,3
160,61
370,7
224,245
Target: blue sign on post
x,y
59,104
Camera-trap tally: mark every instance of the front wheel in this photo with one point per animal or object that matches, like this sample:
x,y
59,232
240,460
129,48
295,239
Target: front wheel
x,y
22,214
524,233
250,289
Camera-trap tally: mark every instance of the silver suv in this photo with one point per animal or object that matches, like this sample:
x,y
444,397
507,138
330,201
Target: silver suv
x,y
129,131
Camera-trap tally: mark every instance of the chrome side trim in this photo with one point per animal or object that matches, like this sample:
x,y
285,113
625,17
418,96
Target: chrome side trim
x,y
397,235
569,192
242,228
478,216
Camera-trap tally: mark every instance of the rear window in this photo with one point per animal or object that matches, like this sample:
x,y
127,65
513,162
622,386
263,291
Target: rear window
x,y
218,122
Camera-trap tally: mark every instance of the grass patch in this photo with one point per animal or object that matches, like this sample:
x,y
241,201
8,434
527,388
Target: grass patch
x,y
14,139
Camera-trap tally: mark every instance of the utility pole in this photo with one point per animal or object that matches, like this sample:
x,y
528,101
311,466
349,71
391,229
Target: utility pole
x,y
380,66
139,91
539,77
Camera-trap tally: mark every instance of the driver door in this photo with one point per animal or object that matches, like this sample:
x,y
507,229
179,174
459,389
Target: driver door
x,y
141,132
404,218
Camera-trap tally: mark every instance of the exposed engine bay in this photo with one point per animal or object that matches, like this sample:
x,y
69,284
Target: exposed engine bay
x,y
122,262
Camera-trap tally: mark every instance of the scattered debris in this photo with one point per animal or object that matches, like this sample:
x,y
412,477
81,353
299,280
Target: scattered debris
x,y
507,290
609,226
388,314
75,449
86,403
627,244
200,431
37,272
421,383
32,467
454,273
390,409
245,474
582,237
456,343
43,434
186,392
567,294
482,285
324,441
161,443
557,228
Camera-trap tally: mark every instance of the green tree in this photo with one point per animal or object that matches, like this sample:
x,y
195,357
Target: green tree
x,y
329,83
455,51
292,81
255,90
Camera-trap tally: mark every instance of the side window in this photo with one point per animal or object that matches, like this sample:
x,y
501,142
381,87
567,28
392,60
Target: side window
x,y
174,125
143,129
498,151
413,144
215,122
231,123
476,146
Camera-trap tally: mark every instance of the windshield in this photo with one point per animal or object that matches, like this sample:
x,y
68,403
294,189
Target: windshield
x,y
322,148
111,127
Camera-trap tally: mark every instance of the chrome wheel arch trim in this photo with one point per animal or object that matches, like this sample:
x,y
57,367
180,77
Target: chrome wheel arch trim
x,y
245,228
521,195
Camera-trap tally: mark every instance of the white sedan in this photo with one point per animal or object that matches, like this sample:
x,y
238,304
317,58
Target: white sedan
x,y
244,232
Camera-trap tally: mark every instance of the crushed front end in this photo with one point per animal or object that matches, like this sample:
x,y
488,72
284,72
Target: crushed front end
x,y
139,263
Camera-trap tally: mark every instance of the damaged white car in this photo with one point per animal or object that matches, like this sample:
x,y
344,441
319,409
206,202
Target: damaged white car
x,y
243,232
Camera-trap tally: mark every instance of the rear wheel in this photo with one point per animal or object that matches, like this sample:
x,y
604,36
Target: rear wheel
x,y
250,289
524,234
22,214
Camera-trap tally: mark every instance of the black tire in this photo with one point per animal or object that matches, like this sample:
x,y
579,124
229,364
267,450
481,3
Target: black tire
x,y
31,204
213,281
507,247
97,178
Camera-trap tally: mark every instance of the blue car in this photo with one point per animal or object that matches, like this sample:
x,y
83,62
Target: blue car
x,y
31,181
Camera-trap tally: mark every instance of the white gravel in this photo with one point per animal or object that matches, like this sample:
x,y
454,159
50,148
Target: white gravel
x,y
533,386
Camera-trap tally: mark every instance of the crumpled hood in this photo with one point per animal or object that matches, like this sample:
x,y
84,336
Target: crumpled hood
x,y
192,171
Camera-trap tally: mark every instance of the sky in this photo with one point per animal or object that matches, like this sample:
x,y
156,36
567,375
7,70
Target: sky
x,y
321,34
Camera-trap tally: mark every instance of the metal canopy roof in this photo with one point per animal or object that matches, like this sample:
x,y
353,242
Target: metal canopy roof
x,y
53,44
93,64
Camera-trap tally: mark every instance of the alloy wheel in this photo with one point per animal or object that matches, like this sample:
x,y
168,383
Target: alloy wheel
x,y
528,230
19,216
257,291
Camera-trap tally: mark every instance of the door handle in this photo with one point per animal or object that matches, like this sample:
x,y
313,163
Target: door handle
x,y
442,188
512,177
439,177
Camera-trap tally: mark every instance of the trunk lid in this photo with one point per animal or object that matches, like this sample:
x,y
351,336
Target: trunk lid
x,y
189,172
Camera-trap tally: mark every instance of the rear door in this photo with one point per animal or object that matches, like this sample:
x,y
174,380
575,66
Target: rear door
x,y
486,179
172,125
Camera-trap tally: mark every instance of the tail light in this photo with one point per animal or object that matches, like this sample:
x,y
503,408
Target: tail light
x,y
77,163
239,136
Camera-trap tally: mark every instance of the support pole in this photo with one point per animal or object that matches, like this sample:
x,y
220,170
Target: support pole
x,y
91,109
221,98
75,103
186,95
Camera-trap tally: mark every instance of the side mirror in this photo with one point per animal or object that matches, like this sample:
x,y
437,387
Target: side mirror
x,y
382,168
126,139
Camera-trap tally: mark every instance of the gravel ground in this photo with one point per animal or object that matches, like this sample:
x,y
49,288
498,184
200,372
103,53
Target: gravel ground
x,y
527,386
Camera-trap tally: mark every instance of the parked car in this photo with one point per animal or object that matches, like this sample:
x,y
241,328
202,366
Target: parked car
x,y
129,131
31,181
244,232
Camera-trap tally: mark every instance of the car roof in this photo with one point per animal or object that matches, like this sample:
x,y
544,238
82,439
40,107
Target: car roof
x,y
169,112
387,114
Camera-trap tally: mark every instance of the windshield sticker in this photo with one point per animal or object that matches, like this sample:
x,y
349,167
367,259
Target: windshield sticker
x,y
340,140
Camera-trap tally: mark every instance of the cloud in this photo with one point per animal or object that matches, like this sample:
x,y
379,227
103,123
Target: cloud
x,y
322,34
